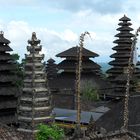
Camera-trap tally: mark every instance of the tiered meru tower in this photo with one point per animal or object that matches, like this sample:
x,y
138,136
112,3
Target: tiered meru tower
x,y
8,89
70,63
117,74
51,69
35,103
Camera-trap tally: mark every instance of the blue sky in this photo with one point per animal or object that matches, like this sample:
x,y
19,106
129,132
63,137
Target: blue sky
x,y
58,23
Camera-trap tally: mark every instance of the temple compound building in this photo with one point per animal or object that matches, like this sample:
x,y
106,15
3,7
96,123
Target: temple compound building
x,y
35,101
117,75
8,78
63,86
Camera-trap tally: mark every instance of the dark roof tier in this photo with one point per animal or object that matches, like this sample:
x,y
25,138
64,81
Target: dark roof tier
x,y
124,28
71,64
7,78
8,119
6,67
115,70
124,18
8,104
120,55
123,77
124,24
51,68
9,90
122,47
4,48
123,41
124,35
118,63
6,57
51,60
72,52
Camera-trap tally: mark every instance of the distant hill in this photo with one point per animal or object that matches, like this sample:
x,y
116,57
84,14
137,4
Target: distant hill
x,y
104,66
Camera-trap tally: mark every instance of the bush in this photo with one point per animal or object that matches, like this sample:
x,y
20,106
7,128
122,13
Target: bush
x,y
88,92
49,132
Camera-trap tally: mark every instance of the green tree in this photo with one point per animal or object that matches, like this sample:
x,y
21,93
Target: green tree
x,y
19,70
89,92
49,132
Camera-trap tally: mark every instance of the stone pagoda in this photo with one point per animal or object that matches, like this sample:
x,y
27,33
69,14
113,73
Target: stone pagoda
x,y
35,101
118,73
8,79
69,64
51,69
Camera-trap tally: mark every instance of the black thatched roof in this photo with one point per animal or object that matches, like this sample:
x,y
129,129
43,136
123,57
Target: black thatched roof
x,y
124,35
120,55
9,90
123,40
4,48
6,56
7,66
8,103
113,119
8,78
115,70
125,29
124,18
121,47
117,135
117,63
125,24
50,60
72,52
8,118
71,64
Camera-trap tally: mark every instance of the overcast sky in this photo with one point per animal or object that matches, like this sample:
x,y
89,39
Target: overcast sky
x,y
58,23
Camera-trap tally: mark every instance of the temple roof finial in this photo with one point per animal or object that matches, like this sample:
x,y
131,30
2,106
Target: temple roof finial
x,y
124,18
34,40
1,33
3,39
34,36
51,60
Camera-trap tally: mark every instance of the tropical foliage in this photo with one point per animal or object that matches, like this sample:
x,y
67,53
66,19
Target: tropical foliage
x,y
49,132
88,92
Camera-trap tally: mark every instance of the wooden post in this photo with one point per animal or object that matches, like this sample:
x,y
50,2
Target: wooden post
x,y
129,75
78,79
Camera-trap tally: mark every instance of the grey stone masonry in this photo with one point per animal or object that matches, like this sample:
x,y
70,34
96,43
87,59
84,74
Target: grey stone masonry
x,y
35,101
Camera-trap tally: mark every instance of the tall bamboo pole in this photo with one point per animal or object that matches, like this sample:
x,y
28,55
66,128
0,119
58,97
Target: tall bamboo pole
x,y
130,70
78,76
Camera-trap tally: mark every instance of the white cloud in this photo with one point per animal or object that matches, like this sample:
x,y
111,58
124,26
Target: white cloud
x,y
68,35
18,32
102,27
53,42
